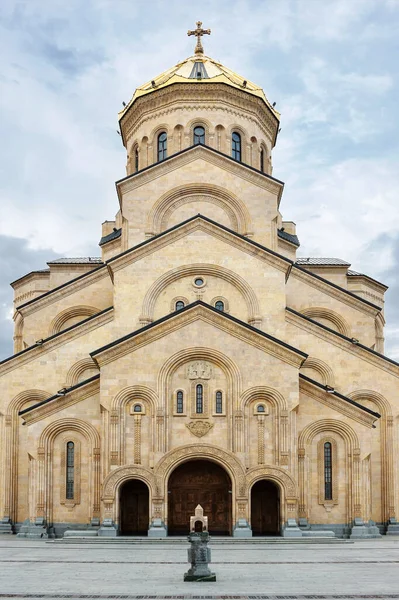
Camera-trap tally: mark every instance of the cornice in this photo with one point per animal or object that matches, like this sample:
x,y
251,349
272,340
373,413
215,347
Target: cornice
x,y
369,281
191,313
79,392
213,93
341,341
58,339
210,155
338,402
186,228
67,288
335,291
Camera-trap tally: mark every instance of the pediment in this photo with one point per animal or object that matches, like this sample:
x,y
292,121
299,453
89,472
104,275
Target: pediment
x,y
206,314
61,400
201,154
213,229
338,402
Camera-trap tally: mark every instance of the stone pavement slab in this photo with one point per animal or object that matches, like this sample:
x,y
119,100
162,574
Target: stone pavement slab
x,y
35,569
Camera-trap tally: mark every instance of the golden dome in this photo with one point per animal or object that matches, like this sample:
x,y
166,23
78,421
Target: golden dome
x,y
199,69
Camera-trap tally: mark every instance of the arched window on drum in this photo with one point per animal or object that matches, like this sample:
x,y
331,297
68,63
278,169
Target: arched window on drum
x,y
236,146
199,135
162,146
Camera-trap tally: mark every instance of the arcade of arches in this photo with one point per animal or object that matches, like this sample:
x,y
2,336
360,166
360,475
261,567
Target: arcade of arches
x,y
201,482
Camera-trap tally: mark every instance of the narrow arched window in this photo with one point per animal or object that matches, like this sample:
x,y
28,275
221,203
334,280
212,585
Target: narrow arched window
x,y
199,135
236,146
219,403
328,471
162,146
70,471
262,160
179,305
219,305
137,408
260,408
199,399
179,402
136,160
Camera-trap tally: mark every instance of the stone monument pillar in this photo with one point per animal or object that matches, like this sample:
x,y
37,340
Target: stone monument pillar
x,y
199,555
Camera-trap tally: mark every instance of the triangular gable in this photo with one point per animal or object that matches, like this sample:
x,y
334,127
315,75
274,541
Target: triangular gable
x,y
209,226
62,399
195,311
333,399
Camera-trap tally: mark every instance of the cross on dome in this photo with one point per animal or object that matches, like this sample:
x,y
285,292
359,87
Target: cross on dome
x,y
199,32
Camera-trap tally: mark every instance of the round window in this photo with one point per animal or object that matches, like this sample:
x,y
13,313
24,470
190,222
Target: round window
x,y
261,408
137,408
199,281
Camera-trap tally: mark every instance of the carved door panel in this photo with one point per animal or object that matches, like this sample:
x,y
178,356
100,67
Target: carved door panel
x,y
134,508
204,483
265,509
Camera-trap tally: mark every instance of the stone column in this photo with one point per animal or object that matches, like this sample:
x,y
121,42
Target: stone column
x,y
137,439
114,430
261,439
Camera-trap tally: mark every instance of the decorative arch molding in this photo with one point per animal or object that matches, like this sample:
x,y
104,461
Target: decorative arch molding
x,y
205,269
229,367
158,129
69,313
22,398
199,122
244,141
263,393
387,444
382,403
78,369
279,423
45,487
280,476
322,368
352,462
176,457
135,392
197,353
118,421
53,429
240,220
116,478
11,447
329,425
318,312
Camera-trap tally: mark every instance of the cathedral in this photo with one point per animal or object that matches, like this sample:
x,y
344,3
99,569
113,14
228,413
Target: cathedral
x,y
199,360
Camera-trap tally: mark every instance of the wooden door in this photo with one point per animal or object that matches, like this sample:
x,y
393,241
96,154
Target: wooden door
x,y
204,483
134,513
265,504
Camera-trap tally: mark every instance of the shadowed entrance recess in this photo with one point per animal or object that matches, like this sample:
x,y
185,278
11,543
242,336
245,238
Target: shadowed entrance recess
x,y
134,499
265,508
199,482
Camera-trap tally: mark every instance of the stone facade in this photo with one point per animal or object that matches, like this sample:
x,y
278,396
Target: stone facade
x,y
293,364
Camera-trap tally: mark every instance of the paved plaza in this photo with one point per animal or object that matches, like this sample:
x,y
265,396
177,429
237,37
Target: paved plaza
x,y
39,569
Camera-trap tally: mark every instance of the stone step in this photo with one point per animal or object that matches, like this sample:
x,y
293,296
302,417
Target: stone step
x,y
215,541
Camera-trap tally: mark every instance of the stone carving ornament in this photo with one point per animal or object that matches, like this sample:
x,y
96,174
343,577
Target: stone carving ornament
x,y
199,428
199,369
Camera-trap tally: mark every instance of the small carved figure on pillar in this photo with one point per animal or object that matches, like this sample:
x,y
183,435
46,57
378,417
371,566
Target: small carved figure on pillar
x,y
199,555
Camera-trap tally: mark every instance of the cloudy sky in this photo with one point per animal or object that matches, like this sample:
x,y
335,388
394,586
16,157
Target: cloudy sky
x,y
331,66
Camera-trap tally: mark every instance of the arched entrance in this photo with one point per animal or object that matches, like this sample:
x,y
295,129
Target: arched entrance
x,y
134,512
265,508
199,482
